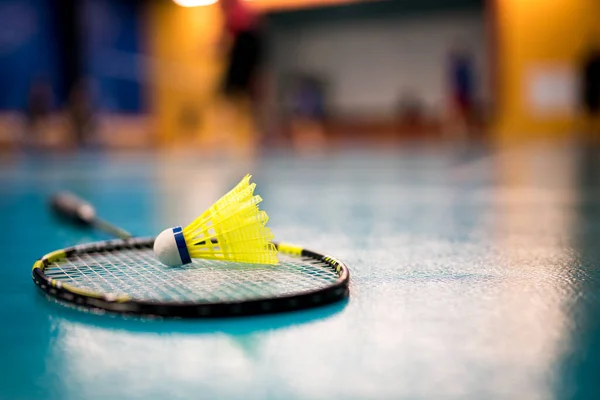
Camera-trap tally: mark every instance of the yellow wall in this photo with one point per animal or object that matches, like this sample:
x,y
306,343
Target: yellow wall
x,y
533,35
184,68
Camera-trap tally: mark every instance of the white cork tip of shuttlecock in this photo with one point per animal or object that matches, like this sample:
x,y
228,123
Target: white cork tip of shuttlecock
x,y
165,248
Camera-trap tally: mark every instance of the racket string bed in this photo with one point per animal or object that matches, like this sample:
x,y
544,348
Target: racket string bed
x,y
125,276
137,274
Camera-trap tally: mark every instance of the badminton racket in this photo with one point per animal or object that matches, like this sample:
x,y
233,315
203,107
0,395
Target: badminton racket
x,y
123,276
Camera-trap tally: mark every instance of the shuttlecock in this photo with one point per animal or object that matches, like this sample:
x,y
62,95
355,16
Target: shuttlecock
x,y
232,229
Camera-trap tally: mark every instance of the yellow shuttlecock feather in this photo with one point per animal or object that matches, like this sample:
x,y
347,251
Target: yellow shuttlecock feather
x,y
232,229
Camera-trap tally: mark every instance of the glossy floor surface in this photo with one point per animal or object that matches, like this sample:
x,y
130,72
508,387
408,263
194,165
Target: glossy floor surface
x,y
475,274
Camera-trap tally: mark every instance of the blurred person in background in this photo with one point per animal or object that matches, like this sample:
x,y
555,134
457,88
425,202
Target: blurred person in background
x,y
308,114
80,114
590,100
462,92
37,111
242,43
242,35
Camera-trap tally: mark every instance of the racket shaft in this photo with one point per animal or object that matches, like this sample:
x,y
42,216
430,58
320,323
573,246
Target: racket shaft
x,y
78,210
111,229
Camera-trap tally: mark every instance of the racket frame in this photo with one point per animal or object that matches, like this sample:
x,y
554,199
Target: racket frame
x,y
124,304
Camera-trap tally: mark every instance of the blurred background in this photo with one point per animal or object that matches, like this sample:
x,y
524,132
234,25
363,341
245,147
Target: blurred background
x,y
371,129
149,74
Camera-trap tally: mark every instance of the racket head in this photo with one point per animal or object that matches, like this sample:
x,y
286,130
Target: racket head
x,y
124,276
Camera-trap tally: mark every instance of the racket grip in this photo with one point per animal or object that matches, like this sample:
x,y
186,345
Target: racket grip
x,y
72,207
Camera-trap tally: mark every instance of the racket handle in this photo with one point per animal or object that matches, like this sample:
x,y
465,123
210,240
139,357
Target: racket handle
x,y
72,207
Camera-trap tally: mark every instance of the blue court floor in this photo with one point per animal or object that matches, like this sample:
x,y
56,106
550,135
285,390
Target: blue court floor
x,y
475,274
